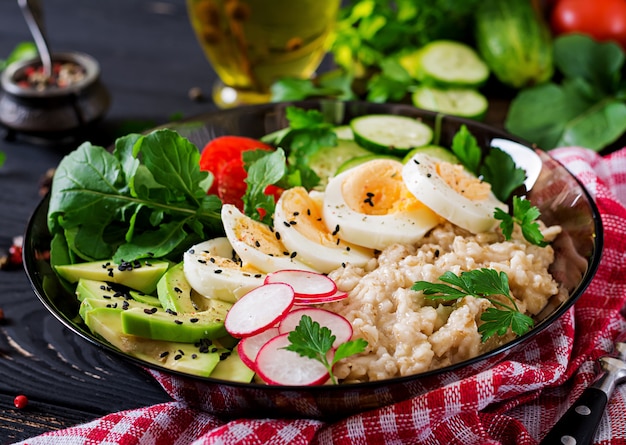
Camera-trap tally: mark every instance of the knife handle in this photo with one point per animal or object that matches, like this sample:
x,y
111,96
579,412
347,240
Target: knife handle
x,y
580,422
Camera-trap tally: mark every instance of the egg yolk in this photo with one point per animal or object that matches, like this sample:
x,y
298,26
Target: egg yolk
x,y
260,236
377,188
466,185
305,216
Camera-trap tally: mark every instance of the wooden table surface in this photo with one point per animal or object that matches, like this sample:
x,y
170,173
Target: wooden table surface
x,y
149,60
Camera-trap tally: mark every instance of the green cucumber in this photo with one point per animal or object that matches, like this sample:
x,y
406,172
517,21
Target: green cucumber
x,y
390,134
350,163
436,151
448,63
327,160
464,102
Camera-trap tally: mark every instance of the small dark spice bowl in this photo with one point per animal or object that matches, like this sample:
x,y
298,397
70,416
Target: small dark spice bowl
x,y
55,108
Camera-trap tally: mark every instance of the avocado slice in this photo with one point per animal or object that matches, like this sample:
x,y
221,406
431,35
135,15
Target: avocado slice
x,y
196,359
142,275
159,324
92,294
145,298
233,368
174,291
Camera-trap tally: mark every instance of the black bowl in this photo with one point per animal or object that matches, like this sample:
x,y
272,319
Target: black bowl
x,y
560,197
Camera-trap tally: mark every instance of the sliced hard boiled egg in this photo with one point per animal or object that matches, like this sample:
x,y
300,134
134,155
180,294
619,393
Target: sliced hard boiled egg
x,y
452,192
298,220
370,206
256,244
214,271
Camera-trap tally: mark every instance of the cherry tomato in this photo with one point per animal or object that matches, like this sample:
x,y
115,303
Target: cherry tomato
x,y
20,402
604,20
221,150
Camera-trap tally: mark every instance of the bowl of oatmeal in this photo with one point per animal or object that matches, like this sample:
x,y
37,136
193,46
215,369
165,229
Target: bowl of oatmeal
x,y
414,342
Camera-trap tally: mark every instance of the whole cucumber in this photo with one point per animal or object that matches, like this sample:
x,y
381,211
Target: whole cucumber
x,y
515,42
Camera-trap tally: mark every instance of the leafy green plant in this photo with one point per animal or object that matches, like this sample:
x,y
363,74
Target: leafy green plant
x,y
148,198
309,339
525,215
585,106
481,283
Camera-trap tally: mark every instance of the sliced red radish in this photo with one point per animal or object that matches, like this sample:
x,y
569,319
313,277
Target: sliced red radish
x,y
249,347
259,309
338,325
279,366
337,296
305,283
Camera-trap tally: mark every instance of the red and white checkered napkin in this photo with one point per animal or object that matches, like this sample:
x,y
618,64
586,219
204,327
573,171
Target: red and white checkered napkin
x,y
515,402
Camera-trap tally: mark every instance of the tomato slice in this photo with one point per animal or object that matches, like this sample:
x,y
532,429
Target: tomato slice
x,y
218,152
231,184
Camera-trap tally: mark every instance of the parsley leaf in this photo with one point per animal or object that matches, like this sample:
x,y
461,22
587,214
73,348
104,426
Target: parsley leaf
x,y
311,340
497,168
524,214
481,283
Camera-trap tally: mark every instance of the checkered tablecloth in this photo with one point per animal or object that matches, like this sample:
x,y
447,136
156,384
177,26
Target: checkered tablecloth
x,y
515,402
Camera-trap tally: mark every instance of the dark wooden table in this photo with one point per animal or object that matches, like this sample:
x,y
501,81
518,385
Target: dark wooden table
x,y
150,61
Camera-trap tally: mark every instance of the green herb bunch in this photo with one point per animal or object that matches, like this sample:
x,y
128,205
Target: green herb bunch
x,y
148,198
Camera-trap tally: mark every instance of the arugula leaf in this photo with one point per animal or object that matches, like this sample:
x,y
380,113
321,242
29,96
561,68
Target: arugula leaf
x,y
147,198
481,283
311,340
587,108
525,215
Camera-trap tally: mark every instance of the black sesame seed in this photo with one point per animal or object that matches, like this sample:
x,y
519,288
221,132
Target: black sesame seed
x,y
178,357
278,236
293,254
218,271
164,354
194,320
257,243
178,322
177,289
150,311
336,231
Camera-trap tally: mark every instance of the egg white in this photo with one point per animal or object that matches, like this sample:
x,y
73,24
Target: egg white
x,y
213,271
395,215
422,178
256,243
299,223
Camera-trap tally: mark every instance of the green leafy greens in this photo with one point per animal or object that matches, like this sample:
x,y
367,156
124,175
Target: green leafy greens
x,y
586,108
311,340
481,283
148,198
497,167
524,214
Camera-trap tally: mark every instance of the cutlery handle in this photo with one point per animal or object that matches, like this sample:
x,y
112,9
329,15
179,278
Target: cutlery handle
x,y
580,422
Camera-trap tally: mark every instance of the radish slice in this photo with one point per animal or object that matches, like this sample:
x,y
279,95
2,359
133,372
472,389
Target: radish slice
x,y
259,309
305,283
278,366
339,295
338,325
249,347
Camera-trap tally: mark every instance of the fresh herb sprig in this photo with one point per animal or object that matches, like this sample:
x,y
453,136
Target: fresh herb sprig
x,y
481,283
497,167
311,340
148,198
525,215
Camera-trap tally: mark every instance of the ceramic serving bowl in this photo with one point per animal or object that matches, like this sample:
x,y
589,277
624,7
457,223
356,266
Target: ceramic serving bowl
x,y
560,197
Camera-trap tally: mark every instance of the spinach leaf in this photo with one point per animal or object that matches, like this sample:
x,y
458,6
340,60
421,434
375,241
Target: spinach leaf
x,y
587,108
146,198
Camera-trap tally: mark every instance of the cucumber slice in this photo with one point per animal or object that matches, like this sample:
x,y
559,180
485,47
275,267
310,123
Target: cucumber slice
x,y
465,102
344,132
436,151
390,134
450,64
326,160
361,160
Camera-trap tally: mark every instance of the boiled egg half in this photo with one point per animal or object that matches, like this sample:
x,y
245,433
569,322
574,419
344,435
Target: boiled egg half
x,y
257,244
214,270
369,205
299,223
452,192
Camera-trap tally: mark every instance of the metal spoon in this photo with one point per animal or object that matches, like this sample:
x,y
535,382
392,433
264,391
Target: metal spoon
x,y
33,13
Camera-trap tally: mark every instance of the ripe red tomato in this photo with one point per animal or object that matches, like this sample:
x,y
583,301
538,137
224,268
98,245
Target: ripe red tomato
x,y
604,20
222,156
